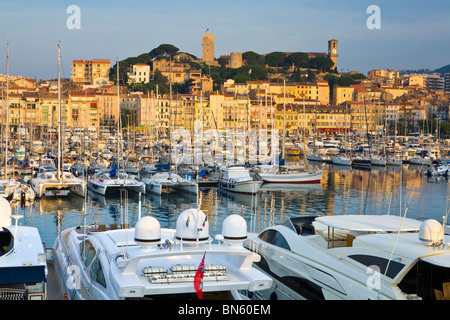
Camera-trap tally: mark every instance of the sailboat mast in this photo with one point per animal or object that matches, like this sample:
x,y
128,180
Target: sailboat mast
x,y
59,113
7,109
284,119
118,115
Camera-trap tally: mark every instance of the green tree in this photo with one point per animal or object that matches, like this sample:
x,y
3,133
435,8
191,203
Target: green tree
x,y
298,59
164,50
321,63
345,81
276,59
253,58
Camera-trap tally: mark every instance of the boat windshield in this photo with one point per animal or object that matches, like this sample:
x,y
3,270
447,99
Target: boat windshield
x,y
301,225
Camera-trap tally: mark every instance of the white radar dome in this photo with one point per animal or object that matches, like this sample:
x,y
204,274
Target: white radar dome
x,y
147,231
192,225
234,229
431,232
5,213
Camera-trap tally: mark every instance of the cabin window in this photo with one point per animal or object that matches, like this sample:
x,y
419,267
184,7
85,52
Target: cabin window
x,y
275,238
97,274
87,252
367,260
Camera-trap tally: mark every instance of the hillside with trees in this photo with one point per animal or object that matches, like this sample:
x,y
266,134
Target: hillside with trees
x,y
295,67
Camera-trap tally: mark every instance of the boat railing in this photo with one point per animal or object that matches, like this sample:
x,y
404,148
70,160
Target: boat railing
x,y
12,294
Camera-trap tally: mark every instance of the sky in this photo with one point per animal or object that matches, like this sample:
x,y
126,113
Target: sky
x,y
412,35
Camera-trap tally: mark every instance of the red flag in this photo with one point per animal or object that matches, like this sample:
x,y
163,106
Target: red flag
x,y
198,278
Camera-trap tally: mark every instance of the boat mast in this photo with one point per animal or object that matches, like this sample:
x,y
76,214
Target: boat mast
x,y
284,119
59,113
7,109
118,116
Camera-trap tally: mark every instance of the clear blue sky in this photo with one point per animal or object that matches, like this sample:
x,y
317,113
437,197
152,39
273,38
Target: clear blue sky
x,y
414,34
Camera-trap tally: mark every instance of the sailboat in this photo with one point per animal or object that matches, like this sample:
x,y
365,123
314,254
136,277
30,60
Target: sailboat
x,y
51,181
343,160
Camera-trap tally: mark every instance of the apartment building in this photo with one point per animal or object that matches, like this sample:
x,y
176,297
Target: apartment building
x,y
140,72
86,71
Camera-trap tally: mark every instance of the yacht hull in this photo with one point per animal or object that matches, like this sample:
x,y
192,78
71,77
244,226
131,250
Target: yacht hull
x,y
304,177
247,187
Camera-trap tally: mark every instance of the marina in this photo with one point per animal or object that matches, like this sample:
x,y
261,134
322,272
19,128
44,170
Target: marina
x,y
234,176
342,191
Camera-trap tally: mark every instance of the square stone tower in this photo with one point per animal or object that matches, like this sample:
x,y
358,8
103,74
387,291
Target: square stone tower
x,y
332,51
208,48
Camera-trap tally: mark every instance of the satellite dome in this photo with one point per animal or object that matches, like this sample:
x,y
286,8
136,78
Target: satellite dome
x,y
147,231
234,229
5,213
192,225
431,232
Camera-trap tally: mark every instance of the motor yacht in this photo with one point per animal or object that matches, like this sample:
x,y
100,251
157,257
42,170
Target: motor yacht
x,y
438,170
393,161
283,174
8,187
236,178
150,262
355,257
24,193
341,160
23,262
106,181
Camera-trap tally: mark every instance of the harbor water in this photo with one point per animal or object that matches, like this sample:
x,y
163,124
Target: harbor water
x,y
387,190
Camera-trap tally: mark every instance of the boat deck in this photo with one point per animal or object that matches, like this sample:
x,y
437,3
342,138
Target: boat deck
x,y
55,287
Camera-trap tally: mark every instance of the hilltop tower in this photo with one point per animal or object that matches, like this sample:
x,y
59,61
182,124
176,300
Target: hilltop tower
x,y
236,60
208,48
332,51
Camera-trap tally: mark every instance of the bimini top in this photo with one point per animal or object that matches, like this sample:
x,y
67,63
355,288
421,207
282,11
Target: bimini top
x,y
370,223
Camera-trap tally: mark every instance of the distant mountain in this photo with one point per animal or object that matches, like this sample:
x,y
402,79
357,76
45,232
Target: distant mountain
x,y
442,70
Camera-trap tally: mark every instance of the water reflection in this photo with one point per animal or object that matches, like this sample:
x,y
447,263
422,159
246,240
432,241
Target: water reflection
x,y
342,191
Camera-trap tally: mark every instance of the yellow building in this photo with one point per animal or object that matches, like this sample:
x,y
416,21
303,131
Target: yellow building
x,y
394,92
365,116
342,94
88,70
322,118
83,110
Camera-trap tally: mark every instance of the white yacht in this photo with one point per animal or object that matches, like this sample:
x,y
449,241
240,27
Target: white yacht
x,y
276,174
186,185
150,262
393,161
8,187
378,161
23,263
238,179
438,170
47,183
105,181
419,160
24,193
161,183
341,160
355,257
318,157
